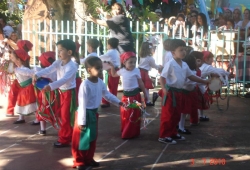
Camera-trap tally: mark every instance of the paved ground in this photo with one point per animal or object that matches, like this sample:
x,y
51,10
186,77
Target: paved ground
x,y
222,143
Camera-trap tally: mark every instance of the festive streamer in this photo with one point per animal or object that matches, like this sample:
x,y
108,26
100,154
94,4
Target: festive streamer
x,y
243,7
141,2
219,10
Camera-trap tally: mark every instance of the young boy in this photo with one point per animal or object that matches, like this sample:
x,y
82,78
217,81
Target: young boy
x,y
172,79
112,56
92,45
66,74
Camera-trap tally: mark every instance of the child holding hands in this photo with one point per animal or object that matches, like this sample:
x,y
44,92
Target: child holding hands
x,y
132,84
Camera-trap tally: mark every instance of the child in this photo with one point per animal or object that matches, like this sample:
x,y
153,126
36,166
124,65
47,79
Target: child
x,y
132,84
25,96
166,58
46,59
189,105
112,56
91,91
66,75
208,70
12,98
146,63
172,80
92,45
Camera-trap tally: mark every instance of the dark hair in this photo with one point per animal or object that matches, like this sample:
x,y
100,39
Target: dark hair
x,y
68,44
166,44
232,22
4,20
193,11
204,22
120,8
122,65
197,54
191,61
113,42
145,50
175,43
91,61
94,43
181,15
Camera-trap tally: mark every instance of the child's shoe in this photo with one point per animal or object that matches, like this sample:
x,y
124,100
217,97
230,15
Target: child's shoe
x,y
167,140
185,131
178,137
204,119
94,163
19,121
150,104
42,132
35,123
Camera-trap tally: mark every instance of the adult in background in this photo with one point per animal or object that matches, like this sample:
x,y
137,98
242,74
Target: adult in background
x,y
119,27
245,23
7,30
236,16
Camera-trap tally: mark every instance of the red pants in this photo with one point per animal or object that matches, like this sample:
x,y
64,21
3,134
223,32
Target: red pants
x,y
81,158
189,105
170,115
65,132
113,86
12,97
130,125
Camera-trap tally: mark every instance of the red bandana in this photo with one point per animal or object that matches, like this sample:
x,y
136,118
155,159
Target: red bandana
x,y
205,55
22,43
23,55
125,56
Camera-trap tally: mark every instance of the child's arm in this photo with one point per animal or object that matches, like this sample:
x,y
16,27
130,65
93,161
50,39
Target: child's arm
x,y
153,64
82,97
163,84
109,96
113,71
198,80
142,87
24,71
46,71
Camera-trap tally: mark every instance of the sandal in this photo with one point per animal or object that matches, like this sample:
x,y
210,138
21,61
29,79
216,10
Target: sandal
x,y
204,119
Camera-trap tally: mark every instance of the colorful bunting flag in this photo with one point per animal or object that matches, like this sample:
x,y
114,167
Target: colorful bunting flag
x,y
141,2
165,1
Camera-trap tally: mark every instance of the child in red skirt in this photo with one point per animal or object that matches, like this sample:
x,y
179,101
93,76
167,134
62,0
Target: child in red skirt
x,y
132,84
172,80
146,63
86,122
14,88
189,105
46,59
25,96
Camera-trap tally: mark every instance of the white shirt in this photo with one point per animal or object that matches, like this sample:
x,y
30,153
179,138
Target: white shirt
x,y
147,63
90,96
66,75
206,70
113,56
176,75
23,73
167,57
129,78
239,24
189,84
7,30
93,54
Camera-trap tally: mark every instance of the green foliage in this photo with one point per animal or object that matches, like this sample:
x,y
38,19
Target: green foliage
x,y
93,4
17,14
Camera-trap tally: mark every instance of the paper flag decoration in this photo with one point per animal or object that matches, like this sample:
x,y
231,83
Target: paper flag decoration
x,y
141,2
129,3
219,10
165,1
243,7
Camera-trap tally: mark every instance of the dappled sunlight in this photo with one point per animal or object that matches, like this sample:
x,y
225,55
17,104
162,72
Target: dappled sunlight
x,y
66,162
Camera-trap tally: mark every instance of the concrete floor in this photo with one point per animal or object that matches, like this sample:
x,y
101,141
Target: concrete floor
x,y
221,143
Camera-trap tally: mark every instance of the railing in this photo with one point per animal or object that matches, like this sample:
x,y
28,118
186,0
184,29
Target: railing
x,y
223,44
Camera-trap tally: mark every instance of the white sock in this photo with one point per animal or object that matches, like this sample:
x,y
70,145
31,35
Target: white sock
x,y
36,121
21,117
200,113
182,121
43,125
147,94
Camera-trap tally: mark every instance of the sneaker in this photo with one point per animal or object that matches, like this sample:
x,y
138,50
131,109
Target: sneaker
x,y
150,104
178,137
94,163
42,132
155,97
185,131
204,119
167,140
35,123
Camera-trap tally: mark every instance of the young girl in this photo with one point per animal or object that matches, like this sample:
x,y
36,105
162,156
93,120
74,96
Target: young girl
x,y
85,129
46,59
132,84
189,105
26,100
146,63
208,70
